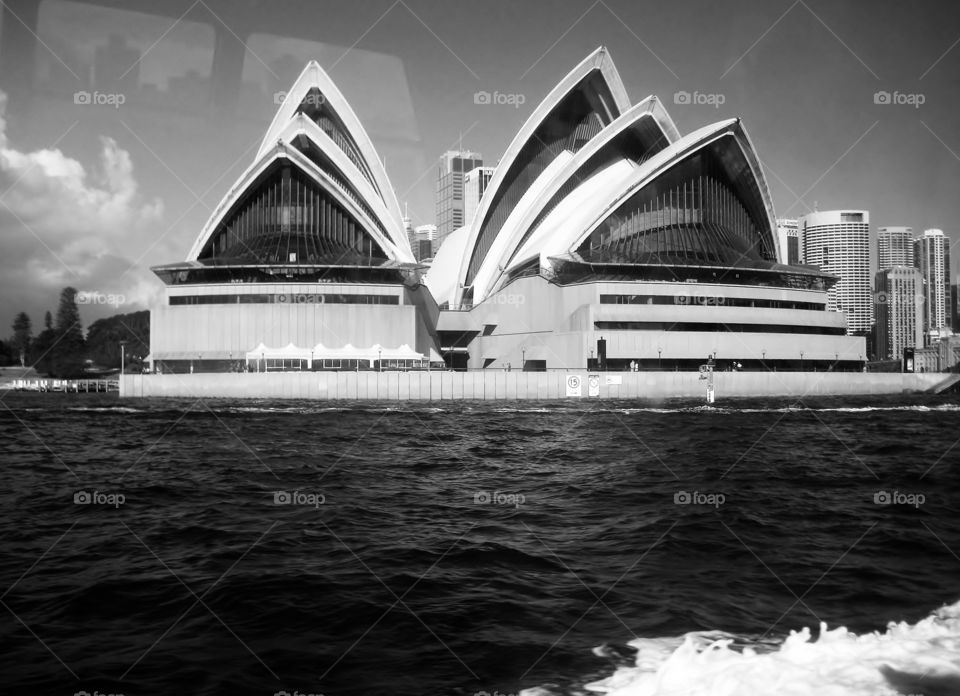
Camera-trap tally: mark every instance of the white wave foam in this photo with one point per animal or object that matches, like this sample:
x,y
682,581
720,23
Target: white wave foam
x,y
920,659
720,410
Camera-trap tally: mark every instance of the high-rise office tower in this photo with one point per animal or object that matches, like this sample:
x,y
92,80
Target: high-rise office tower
x,y
453,166
788,237
955,305
894,247
474,184
931,252
898,302
839,242
425,242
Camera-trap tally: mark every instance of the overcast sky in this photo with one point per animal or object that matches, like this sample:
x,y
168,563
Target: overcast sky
x,y
92,195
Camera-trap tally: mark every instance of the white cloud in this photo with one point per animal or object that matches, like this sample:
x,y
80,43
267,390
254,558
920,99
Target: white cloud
x,y
61,224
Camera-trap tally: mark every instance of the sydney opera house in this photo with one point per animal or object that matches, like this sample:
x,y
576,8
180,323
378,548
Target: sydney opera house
x,y
605,239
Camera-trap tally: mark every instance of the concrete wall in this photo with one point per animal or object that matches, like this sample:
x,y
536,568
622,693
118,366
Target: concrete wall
x,y
497,384
216,331
556,324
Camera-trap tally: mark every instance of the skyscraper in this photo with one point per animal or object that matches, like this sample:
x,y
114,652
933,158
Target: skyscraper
x,y
425,242
839,242
894,247
453,166
932,256
955,305
788,237
474,184
898,301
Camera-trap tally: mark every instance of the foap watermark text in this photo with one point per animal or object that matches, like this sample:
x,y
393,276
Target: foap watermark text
x,y
699,498
514,99
699,98
899,498
299,498
499,498
85,98
99,498
895,98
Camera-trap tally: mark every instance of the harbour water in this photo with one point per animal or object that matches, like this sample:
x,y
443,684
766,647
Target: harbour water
x,y
254,547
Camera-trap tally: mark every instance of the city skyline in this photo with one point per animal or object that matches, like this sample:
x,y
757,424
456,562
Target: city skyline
x,y
848,145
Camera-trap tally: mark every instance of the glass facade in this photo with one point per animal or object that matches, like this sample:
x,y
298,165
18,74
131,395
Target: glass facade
x,y
716,327
573,269
283,298
711,301
314,105
691,214
289,219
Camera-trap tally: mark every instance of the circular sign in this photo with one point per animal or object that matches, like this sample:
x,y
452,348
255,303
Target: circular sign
x,y
573,381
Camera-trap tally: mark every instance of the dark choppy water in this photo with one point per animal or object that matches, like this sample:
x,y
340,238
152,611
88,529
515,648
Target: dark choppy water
x,y
406,581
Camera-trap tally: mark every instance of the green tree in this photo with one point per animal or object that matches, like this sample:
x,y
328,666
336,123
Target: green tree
x,y
7,354
104,336
69,350
41,353
22,335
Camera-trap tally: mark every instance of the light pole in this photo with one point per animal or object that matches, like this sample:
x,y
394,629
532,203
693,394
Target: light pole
x,y
123,345
659,358
763,352
801,361
379,360
311,361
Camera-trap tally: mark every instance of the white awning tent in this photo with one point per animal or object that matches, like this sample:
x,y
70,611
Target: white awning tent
x,y
347,352
288,352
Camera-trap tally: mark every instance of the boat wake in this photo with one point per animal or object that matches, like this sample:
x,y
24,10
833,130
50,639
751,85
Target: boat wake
x,y
922,659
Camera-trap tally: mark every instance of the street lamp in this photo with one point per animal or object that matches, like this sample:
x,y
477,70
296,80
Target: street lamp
x,y
659,360
763,352
122,351
379,360
801,361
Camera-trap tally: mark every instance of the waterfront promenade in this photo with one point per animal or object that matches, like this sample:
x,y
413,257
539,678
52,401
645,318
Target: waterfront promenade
x,y
500,385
